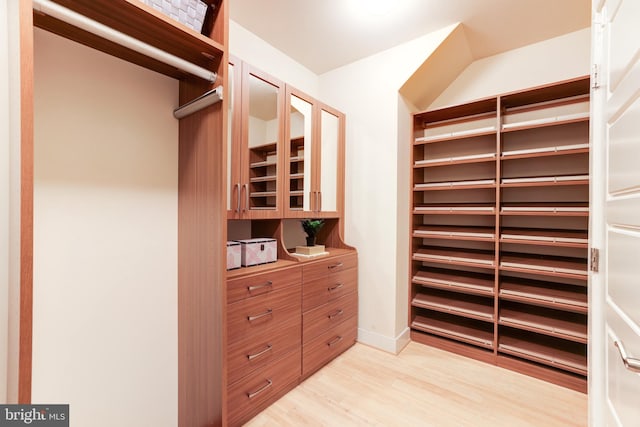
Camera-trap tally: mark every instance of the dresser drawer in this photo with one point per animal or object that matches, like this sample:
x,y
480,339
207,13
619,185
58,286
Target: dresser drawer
x,y
320,269
321,291
327,316
258,284
328,345
249,396
262,315
253,354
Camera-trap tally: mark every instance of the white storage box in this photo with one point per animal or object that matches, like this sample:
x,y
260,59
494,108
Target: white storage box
x,y
258,251
234,255
188,12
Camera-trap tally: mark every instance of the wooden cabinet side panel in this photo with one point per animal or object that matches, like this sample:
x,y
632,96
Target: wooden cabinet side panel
x,y
202,262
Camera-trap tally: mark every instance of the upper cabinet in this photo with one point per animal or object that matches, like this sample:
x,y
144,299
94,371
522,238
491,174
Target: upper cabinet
x,y
254,153
314,158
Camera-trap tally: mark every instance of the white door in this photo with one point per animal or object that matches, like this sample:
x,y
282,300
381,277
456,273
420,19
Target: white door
x,y
615,291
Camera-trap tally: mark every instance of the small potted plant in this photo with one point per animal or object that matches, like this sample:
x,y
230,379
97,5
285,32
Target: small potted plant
x,y
311,227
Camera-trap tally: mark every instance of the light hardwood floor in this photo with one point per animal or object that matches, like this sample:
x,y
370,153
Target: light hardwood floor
x,y
422,386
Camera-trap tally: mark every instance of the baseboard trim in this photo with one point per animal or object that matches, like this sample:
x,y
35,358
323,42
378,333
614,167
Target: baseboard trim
x,y
383,342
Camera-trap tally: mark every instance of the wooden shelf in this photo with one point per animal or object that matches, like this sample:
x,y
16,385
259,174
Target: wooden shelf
x,y
455,185
455,280
549,351
545,209
501,186
532,236
545,265
473,307
545,181
559,150
486,234
461,329
547,121
569,326
268,178
474,258
553,295
141,22
487,130
457,209
455,160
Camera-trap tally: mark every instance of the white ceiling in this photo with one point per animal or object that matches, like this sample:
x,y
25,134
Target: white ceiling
x,y
326,34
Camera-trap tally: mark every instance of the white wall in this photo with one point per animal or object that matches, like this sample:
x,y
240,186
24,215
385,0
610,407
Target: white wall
x,y
552,60
9,201
4,200
255,51
105,237
376,224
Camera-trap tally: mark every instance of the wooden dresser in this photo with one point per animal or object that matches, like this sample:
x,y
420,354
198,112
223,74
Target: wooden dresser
x,y
284,322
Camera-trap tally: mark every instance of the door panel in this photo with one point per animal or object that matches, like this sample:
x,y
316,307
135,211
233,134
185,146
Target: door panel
x,y
617,55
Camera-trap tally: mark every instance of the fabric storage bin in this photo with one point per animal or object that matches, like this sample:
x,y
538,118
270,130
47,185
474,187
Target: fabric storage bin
x,y
234,255
258,251
188,12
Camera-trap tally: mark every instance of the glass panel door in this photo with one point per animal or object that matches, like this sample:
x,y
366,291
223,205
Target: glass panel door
x,y
300,154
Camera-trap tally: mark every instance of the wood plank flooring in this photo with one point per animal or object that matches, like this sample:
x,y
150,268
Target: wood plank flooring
x,y
422,386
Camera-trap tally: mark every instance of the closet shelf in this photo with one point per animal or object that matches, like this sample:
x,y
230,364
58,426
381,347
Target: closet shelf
x,y
569,326
456,160
262,164
460,329
268,178
455,185
545,265
478,308
457,281
531,236
545,209
469,257
547,121
461,209
543,181
549,351
455,233
552,295
487,130
259,194
545,151
296,176
296,159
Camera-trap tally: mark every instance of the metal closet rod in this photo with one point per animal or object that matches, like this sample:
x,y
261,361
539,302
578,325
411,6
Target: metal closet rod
x,y
54,10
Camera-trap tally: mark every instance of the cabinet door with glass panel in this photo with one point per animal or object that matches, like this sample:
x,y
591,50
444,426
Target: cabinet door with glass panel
x,y
255,179
314,158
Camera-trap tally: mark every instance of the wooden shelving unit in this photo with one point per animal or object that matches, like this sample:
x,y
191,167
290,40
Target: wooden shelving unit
x,y
499,235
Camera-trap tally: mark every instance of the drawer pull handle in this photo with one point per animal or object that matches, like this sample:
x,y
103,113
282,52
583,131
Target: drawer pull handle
x,y
334,341
269,312
630,363
253,394
260,353
238,191
335,314
267,284
335,287
338,265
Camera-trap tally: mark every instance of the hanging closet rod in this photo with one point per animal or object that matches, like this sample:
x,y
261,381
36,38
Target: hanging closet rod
x,y
54,10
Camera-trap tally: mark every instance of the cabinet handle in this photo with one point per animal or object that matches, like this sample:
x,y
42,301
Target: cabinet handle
x,y
334,266
317,204
246,197
334,341
630,363
260,353
269,312
238,186
335,314
312,208
334,287
319,201
252,288
253,394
